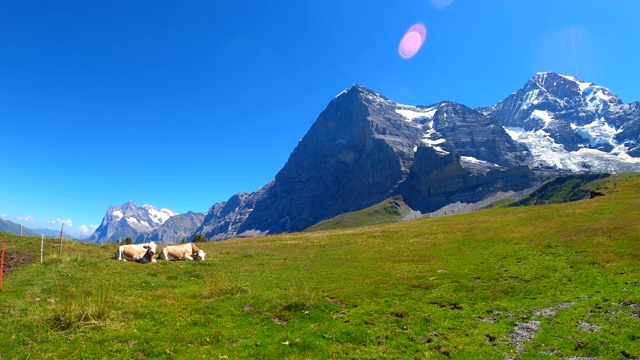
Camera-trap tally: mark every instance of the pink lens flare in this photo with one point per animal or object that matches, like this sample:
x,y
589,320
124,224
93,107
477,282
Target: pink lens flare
x,y
412,41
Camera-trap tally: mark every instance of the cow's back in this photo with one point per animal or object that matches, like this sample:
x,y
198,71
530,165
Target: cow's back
x,y
177,252
136,252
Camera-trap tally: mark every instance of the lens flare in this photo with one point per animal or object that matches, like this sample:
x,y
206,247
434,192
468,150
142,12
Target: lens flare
x,y
412,41
567,51
441,4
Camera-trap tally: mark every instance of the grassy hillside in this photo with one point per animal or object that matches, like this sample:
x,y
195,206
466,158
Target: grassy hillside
x,y
391,210
13,228
541,282
565,189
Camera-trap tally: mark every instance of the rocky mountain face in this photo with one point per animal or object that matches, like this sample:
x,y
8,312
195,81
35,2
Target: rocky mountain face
x,y
365,148
572,125
223,220
144,223
175,230
438,180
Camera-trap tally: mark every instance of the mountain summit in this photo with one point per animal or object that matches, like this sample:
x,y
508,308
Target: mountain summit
x,y
129,220
550,93
441,158
562,120
364,148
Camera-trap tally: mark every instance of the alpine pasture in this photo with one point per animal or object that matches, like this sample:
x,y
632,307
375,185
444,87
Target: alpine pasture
x,y
552,281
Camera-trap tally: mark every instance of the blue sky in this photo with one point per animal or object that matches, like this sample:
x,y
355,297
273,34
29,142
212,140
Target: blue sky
x,y
181,104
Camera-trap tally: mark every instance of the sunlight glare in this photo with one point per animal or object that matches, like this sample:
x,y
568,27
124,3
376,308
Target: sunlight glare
x,y
441,4
412,41
568,51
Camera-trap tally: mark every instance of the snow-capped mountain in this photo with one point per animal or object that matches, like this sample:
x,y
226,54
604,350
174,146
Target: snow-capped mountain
x,y
364,148
176,229
442,158
129,220
569,124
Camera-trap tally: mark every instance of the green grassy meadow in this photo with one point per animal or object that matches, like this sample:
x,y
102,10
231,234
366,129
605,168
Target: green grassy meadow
x,y
388,211
536,282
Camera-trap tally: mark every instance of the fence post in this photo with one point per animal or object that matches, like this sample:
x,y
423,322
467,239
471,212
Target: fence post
x,y
42,250
4,246
61,232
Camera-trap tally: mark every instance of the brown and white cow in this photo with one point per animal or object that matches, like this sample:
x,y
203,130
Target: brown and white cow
x,y
143,253
182,252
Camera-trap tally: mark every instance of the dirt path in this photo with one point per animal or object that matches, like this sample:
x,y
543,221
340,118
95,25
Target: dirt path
x,y
12,260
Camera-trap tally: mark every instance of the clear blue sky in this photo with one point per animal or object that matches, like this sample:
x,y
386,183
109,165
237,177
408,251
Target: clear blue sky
x,y
181,104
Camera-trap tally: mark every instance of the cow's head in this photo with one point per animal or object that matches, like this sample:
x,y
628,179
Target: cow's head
x,y
151,248
151,251
200,255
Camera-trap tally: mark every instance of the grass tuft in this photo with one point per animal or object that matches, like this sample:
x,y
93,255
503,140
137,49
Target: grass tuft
x,y
221,285
73,311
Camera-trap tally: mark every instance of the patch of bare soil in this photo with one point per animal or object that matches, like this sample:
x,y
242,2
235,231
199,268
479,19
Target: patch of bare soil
x,y
12,260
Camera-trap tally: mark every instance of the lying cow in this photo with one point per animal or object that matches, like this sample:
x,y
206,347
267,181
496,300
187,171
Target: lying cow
x,y
182,252
143,253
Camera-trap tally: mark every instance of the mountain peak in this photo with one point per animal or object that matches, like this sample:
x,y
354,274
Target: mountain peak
x,y
573,113
555,83
354,87
569,88
364,148
359,91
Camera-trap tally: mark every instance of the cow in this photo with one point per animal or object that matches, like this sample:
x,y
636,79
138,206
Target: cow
x,y
142,253
182,252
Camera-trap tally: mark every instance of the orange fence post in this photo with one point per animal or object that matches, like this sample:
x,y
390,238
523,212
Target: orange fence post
x,y
4,246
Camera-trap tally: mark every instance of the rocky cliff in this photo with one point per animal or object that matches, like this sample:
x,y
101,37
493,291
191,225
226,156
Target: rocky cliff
x,y
570,124
364,148
176,229
145,223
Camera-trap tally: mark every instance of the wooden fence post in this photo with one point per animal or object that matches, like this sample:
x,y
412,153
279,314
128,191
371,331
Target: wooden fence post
x,y
4,246
61,232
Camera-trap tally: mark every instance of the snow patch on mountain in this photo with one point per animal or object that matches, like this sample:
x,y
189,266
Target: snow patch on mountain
x,y
544,150
136,222
544,116
376,99
434,143
581,84
117,214
423,118
158,216
472,160
599,132
596,97
412,113
546,153
533,98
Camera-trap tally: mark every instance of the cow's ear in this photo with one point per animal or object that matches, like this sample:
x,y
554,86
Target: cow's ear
x,y
145,246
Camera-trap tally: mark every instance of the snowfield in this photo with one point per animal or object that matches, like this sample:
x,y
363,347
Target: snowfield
x,y
547,153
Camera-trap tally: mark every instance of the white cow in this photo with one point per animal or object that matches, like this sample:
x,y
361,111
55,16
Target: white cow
x,y
182,252
143,253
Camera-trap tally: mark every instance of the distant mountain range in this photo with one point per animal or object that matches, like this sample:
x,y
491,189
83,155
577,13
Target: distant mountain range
x,y
145,223
365,148
13,228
